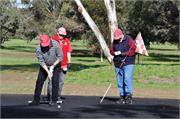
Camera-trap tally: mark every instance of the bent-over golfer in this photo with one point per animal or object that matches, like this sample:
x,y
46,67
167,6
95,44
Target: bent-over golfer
x,y
49,55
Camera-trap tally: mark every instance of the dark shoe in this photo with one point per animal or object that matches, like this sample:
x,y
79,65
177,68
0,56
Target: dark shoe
x,y
128,99
46,98
121,100
34,103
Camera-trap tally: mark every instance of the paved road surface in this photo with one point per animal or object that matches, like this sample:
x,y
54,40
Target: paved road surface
x,y
16,106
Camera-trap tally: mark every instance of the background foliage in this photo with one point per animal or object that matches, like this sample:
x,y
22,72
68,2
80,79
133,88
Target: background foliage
x,y
158,21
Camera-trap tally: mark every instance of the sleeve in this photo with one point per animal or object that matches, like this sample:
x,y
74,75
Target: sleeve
x,y
132,46
40,57
59,53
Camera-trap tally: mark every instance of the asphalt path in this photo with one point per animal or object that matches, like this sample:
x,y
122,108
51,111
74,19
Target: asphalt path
x,y
16,106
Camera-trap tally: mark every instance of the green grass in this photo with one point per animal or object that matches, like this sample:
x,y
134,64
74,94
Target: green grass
x,y
163,63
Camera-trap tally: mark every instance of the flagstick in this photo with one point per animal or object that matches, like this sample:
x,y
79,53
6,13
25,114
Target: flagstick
x,y
105,92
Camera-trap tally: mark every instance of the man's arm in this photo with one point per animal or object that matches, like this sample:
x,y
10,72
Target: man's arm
x,y
42,62
40,57
132,46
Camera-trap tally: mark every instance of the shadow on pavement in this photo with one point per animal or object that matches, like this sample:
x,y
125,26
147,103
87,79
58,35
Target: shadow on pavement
x,y
16,106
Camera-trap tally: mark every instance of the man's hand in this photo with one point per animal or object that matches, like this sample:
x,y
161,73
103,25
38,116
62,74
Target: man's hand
x,y
117,52
51,69
50,74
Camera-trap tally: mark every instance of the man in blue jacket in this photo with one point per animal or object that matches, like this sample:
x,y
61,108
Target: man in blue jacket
x,y
123,49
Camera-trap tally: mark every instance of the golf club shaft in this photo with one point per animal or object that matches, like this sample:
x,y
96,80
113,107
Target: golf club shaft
x,y
45,85
50,83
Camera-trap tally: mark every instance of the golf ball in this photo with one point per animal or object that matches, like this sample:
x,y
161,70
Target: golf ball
x,y
59,106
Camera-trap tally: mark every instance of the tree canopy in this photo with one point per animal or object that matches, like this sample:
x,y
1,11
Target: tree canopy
x,y
158,21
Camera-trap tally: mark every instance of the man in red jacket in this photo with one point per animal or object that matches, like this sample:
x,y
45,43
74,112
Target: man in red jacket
x,y
64,42
123,50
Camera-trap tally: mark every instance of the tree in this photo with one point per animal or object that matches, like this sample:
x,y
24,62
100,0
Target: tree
x,y
9,20
52,14
123,9
157,21
97,11
94,28
69,19
15,22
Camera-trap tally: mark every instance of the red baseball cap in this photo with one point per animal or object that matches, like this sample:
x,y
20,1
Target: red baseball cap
x,y
118,34
44,40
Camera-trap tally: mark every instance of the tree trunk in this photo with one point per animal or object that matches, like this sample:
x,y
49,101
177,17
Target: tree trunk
x,y
112,18
95,29
101,55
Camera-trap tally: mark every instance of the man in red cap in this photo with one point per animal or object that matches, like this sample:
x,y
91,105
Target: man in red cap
x,y
123,49
49,55
64,42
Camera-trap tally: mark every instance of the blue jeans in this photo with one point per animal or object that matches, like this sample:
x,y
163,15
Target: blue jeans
x,y
124,79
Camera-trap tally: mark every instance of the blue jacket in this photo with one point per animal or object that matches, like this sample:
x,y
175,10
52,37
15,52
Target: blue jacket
x,y
127,48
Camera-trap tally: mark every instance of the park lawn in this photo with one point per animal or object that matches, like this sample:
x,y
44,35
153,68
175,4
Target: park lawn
x,y
18,63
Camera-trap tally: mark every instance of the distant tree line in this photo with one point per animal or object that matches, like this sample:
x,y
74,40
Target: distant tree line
x,y
158,21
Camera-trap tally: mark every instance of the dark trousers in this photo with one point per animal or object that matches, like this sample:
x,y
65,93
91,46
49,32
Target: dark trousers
x,y
40,81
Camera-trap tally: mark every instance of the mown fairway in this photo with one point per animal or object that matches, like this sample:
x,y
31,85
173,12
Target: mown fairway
x,y
19,67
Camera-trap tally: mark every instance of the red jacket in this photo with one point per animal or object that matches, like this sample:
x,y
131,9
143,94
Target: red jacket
x,y
66,48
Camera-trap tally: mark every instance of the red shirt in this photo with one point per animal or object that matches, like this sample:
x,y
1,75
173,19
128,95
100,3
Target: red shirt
x,y
66,48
